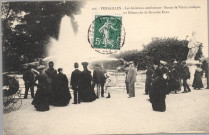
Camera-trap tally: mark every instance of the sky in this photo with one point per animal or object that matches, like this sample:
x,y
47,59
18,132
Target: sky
x,y
141,28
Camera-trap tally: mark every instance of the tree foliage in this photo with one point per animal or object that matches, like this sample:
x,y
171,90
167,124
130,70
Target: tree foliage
x,y
27,26
166,49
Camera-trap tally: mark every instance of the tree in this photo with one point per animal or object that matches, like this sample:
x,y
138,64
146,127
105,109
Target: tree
x,y
27,27
166,49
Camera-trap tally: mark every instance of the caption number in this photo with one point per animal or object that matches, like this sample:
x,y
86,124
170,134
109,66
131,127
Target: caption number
x,y
98,40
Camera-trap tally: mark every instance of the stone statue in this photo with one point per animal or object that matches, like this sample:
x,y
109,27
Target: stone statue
x,y
193,46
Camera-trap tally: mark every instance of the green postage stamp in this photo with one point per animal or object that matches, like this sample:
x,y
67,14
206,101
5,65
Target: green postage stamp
x,y
106,34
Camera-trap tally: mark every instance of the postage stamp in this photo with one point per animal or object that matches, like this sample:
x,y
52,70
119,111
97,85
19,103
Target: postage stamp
x,y
106,34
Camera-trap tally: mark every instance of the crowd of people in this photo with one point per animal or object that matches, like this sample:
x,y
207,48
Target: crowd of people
x,y
52,87
163,78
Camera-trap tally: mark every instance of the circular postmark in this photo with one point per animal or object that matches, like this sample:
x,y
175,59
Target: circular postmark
x,y
106,34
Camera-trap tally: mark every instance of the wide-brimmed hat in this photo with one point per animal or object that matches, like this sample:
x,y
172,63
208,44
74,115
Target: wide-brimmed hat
x,y
84,63
41,67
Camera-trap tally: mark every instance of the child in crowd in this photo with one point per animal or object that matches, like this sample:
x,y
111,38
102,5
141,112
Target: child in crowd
x,y
108,84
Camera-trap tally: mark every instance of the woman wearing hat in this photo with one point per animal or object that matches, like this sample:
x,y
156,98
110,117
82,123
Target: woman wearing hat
x,y
158,92
40,100
60,89
87,92
197,82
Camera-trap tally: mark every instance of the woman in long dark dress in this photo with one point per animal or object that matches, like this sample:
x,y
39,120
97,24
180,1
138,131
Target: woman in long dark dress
x,y
87,92
158,92
173,81
60,89
40,100
197,82
149,80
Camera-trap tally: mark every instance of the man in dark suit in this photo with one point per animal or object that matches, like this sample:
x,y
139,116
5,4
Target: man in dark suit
x,y
97,78
28,78
51,72
75,76
103,80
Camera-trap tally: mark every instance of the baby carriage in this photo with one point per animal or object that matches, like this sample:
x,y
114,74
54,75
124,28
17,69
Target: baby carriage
x,y
12,100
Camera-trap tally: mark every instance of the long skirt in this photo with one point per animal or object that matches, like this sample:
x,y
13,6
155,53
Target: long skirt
x,y
87,94
131,89
40,100
173,84
197,82
62,97
159,105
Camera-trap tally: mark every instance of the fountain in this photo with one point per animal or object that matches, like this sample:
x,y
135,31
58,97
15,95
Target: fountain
x,y
64,51
68,49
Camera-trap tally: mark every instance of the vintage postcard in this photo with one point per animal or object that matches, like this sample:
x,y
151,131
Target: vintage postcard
x,y
104,67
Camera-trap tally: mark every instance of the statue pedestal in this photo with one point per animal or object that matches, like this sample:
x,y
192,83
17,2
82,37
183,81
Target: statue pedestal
x,y
192,67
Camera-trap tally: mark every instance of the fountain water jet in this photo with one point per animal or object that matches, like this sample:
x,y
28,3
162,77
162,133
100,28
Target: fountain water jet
x,y
69,49
64,51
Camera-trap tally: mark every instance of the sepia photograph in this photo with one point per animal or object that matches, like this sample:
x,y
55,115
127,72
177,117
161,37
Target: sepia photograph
x,y
104,67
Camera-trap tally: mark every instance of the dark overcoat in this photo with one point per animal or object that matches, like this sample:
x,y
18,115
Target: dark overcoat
x,y
41,99
75,77
158,94
97,75
51,73
28,78
87,92
61,91
197,82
